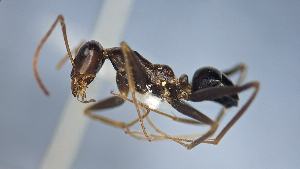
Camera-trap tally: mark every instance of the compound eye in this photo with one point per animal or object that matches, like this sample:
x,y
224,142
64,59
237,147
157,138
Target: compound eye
x,y
89,59
87,52
90,52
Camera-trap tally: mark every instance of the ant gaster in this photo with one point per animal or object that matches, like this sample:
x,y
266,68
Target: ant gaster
x,y
134,74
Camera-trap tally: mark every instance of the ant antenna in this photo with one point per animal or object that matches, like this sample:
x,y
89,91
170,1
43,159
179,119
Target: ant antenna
x,y
36,56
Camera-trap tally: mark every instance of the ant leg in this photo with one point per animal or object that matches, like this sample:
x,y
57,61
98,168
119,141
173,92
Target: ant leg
x,y
36,56
63,60
114,102
191,112
173,117
131,64
105,104
211,93
140,135
134,121
162,136
188,110
242,68
179,140
199,116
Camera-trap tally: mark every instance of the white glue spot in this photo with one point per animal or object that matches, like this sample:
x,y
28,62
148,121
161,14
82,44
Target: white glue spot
x,y
152,101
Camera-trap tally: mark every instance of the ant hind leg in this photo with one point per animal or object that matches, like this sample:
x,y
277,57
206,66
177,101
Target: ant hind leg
x,y
222,91
242,68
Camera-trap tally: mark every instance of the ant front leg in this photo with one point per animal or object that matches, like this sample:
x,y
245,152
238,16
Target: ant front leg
x,y
105,104
111,102
217,92
132,64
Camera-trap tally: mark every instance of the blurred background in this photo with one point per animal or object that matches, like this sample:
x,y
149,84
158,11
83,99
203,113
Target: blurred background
x,y
187,35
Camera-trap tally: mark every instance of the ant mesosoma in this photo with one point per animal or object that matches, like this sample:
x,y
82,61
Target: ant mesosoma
x,y
134,74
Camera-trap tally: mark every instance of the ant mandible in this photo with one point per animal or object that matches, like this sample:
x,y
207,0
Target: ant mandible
x,y
134,74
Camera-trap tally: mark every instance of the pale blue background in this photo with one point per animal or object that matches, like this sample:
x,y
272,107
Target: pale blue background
x,y
265,34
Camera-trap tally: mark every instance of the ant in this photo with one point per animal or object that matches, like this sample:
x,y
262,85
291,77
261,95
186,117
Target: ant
x,y
137,75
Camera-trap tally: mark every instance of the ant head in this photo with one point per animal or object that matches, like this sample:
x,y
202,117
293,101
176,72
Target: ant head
x,y
87,63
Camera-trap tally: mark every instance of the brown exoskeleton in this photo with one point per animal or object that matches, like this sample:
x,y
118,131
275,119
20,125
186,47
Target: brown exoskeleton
x,y
135,74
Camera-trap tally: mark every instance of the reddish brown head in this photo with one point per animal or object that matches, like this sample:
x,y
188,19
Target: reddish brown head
x,y
87,63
